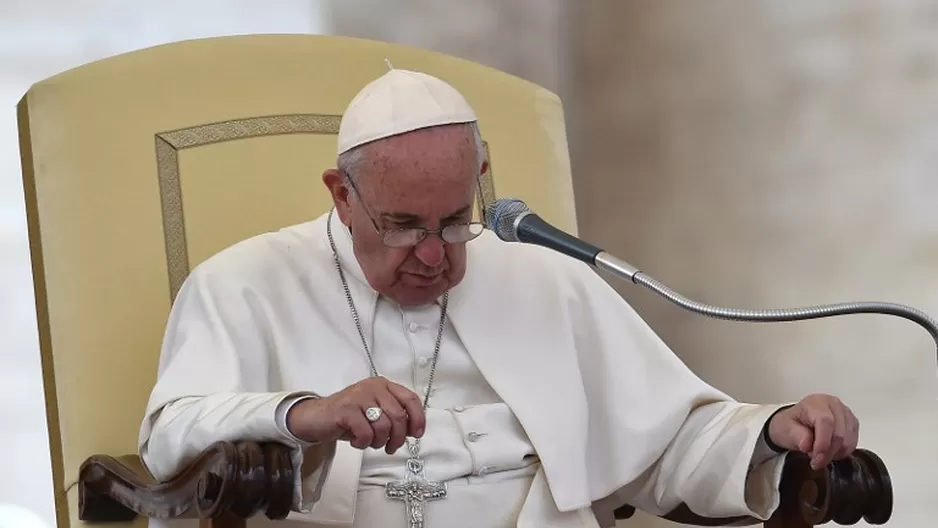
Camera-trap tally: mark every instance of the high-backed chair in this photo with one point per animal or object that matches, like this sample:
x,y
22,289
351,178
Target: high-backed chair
x,y
138,167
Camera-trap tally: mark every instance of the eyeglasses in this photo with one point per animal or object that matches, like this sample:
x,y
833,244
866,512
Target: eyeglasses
x,y
411,236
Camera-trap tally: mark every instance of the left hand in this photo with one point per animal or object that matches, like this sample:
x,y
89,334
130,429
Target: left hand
x,y
820,426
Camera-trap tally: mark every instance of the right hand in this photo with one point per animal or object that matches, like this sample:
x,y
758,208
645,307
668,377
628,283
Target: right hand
x,y
341,416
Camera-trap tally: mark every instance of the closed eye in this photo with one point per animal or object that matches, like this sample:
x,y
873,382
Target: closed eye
x,y
402,221
462,216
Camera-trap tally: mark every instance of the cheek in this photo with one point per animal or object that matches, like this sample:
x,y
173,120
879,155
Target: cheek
x,y
378,260
391,260
456,255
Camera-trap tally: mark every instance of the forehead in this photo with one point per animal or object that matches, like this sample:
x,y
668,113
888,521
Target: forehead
x,y
433,160
442,144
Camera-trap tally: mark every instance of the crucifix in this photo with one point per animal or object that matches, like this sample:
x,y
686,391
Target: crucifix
x,y
414,489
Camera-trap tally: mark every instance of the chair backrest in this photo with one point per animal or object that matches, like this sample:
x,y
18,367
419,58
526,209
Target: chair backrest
x,y
138,167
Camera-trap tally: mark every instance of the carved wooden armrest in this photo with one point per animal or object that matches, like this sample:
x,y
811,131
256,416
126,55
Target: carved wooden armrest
x,y
844,492
229,482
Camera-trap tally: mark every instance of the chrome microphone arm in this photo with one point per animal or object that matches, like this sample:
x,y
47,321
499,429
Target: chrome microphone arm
x,y
626,271
513,221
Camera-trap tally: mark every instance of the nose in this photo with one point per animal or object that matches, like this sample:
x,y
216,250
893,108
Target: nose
x,y
430,251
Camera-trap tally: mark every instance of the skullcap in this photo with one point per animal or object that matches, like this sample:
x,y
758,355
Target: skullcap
x,y
400,101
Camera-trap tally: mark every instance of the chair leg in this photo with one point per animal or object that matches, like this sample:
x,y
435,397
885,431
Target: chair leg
x,y
226,521
779,521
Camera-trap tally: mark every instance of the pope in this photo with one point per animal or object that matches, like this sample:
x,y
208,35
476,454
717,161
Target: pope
x,y
425,373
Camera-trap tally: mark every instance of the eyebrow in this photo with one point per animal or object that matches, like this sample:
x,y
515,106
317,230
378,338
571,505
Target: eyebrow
x,y
408,217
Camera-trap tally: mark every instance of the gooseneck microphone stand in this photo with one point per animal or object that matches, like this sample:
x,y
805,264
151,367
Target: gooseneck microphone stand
x,y
513,221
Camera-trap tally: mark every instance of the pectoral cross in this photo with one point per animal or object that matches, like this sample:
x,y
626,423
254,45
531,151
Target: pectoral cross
x,y
415,490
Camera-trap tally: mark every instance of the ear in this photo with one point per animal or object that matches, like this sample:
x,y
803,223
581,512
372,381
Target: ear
x,y
335,182
485,167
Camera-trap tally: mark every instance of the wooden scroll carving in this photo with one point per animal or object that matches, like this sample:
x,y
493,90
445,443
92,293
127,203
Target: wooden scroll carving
x,y
228,483
231,482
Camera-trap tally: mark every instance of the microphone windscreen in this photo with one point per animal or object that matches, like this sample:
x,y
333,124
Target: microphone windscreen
x,y
501,216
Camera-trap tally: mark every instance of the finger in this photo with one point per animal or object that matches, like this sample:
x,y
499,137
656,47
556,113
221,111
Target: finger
x,y
852,437
381,428
416,421
839,434
823,423
358,430
396,418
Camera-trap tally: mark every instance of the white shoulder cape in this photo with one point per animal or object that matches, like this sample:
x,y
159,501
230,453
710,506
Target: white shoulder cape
x,y
613,413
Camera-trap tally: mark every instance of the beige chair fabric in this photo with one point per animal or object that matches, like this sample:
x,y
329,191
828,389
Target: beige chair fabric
x,y
138,167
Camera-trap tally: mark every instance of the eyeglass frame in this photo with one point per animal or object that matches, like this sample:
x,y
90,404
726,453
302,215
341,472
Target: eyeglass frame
x,y
423,231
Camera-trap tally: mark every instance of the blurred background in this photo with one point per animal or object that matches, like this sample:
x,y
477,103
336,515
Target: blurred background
x,y
749,154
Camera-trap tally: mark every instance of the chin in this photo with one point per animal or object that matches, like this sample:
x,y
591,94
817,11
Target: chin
x,y
419,295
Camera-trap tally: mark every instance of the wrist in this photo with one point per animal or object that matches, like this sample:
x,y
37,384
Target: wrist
x,y
767,430
299,416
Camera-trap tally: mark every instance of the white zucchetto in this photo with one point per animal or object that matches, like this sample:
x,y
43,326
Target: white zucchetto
x,y
397,102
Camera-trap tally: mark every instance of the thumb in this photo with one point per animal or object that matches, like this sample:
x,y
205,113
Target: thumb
x,y
802,436
793,435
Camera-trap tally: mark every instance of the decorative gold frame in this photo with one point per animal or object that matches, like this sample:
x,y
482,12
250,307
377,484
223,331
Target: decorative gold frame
x,y
168,145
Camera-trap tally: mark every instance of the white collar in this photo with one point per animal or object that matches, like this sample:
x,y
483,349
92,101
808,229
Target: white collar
x,y
345,249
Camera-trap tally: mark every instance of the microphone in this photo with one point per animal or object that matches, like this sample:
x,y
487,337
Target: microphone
x,y
512,221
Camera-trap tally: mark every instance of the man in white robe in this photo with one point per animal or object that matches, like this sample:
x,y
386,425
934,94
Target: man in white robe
x,y
538,396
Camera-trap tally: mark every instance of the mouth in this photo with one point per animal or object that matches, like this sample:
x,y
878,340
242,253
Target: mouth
x,y
422,281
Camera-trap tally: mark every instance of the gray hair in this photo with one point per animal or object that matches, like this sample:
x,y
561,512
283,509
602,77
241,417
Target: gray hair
x,y
351,161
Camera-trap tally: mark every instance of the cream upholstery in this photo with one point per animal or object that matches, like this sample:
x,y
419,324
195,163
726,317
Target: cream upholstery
x,y
138,167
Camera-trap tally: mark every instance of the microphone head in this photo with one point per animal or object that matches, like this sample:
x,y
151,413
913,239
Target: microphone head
x,y
501,216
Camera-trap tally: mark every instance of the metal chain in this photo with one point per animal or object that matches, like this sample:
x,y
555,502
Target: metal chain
x,y
361,332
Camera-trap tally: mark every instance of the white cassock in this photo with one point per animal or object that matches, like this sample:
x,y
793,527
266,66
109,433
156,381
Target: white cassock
x,y
553,402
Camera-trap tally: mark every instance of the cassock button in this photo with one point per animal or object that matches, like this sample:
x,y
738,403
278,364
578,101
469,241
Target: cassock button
x,y
474,436
424,361
484,470
459,408
414,327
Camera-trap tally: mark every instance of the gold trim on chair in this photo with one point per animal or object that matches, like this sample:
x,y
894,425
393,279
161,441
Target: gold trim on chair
x,y
168,145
